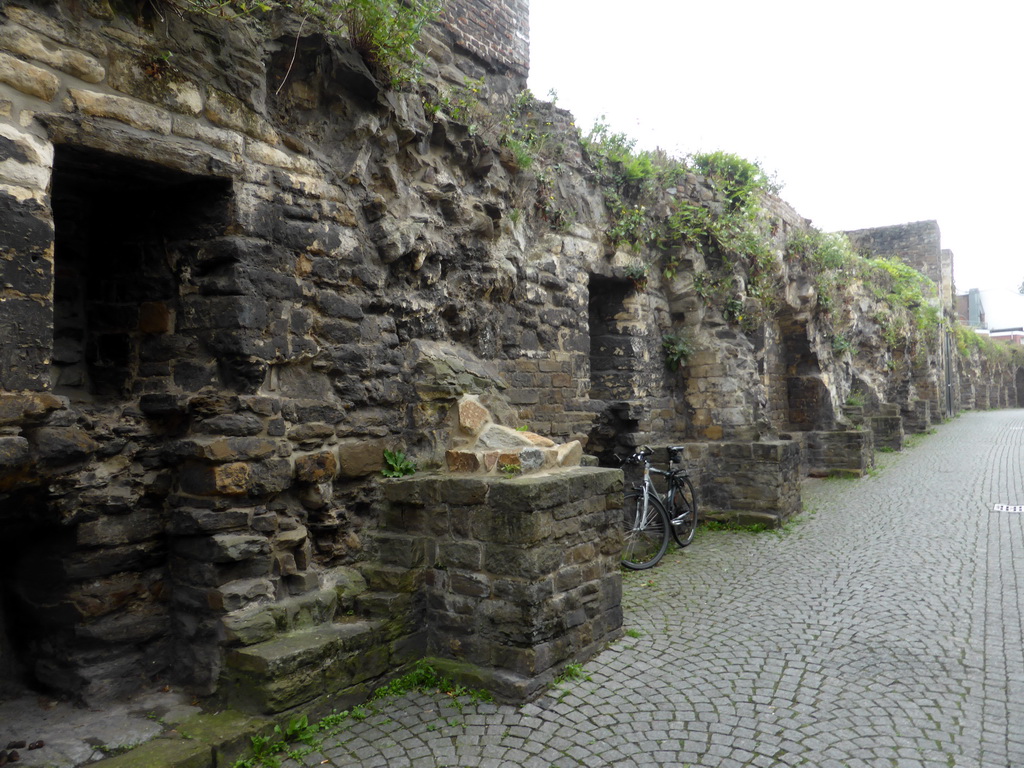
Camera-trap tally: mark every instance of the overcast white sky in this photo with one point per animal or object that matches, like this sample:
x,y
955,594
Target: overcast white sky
x,y
870,113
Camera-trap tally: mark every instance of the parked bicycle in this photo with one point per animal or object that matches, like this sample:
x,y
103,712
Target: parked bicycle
x,y
650,518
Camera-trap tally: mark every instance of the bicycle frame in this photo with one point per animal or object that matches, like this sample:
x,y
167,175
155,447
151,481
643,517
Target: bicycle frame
x,y
679,499
671,475
648,527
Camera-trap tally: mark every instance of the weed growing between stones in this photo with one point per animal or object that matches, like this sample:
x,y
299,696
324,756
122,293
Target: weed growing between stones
x,y
571,672
398,464
729,526
299,738
856,399
638,274
509,471
677,349
915,439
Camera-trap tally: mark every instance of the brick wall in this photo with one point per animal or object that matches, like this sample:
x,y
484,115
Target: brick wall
x,y
497,31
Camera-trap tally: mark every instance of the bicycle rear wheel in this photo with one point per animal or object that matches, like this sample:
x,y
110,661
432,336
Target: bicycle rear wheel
x,y
645,537
683,516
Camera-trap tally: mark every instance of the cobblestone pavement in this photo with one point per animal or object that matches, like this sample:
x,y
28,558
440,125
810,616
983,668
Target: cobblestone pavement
x,y
883,628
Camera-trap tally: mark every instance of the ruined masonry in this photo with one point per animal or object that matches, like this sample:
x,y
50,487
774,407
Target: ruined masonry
x,y
236,268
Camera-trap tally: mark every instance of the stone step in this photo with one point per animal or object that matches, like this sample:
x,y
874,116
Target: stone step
x,y
399,613
384,605
305,666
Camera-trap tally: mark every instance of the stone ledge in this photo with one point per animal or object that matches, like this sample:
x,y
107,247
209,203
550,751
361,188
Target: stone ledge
x,y
203,741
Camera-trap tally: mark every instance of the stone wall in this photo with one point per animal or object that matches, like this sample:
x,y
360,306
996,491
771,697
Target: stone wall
x,y
919,245
846,453
520,576
748,483
496,30
237,269
498,582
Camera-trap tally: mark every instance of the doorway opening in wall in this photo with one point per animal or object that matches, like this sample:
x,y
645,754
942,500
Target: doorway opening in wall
x,y
116,221
808,402
83,606
613,348
614,368
31,561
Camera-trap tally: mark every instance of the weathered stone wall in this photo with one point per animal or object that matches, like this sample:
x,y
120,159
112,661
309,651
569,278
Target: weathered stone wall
x,y
748,482
236,269
839,452
499,582
919,245
520,576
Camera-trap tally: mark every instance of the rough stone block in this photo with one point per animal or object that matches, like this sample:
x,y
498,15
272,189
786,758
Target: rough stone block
x,y
470,584
138,525
467,555
225,110
888,431
269,476
186,520
62,445
354,668
462,461
390,578
228,732
88,564
14,453
29,45
409,551
532,459
248,626
222,547
236,595
132,112
28,78
360,458
347,582
496,437
222,479
304,611
529,563
316,467
301,583
570,454
292,538
473,417
17,409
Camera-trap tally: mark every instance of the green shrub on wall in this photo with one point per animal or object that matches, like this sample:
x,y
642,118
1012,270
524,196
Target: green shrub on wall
x,y
383,32
740,181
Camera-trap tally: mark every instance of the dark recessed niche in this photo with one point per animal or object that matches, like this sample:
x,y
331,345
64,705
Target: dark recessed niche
x,y
118,225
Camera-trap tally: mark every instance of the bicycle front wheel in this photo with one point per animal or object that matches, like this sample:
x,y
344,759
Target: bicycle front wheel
x,y
683,516
645,535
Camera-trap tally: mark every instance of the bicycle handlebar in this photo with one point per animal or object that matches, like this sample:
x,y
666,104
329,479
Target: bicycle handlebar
x,y
641,455
638,457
